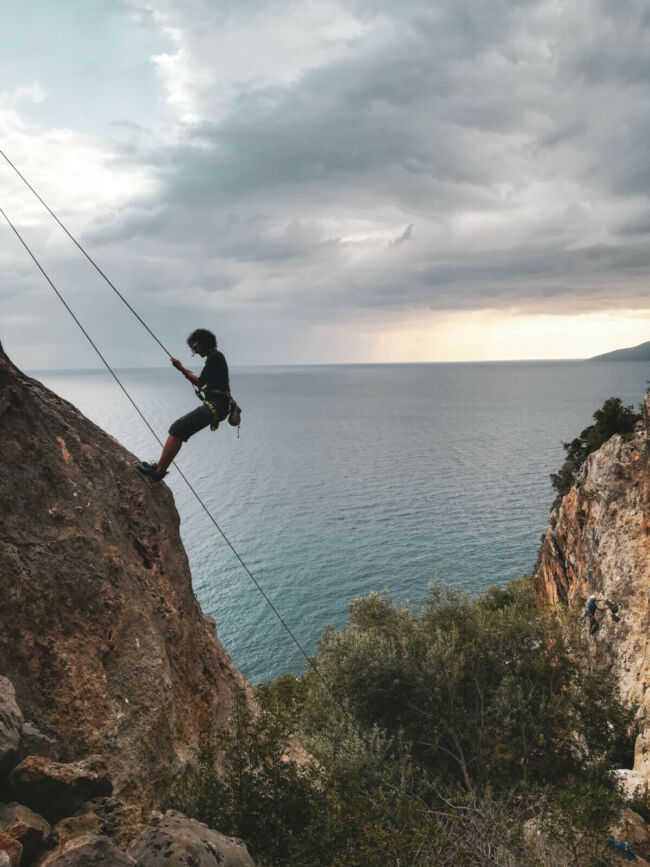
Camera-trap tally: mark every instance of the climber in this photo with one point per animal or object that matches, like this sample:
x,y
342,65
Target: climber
x,y
216,402
596,604
621,847
592,607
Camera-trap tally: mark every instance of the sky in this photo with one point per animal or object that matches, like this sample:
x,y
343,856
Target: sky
x,y
323,181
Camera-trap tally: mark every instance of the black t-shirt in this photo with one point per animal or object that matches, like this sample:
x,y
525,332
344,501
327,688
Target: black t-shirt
x,y
214,376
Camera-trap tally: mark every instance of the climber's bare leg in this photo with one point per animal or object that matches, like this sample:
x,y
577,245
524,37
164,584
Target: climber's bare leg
x,y
171,448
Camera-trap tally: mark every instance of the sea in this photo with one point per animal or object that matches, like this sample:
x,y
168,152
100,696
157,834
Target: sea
x,y
348,479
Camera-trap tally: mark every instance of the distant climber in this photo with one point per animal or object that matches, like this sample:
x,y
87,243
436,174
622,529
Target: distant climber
x,y
594,605
622,848
213,388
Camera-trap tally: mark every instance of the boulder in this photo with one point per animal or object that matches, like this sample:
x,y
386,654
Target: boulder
x,y
56,790
77,826
11,851
31,830
85,850
633,784
11,724
179,841
34,743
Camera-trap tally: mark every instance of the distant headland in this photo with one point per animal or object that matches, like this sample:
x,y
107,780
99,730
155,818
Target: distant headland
x,y
634,353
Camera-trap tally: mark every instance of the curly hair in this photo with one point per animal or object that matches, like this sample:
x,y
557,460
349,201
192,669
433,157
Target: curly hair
x,y
206,338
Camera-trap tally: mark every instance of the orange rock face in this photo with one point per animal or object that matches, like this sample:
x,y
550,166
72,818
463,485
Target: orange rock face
x,y
100,631
598,541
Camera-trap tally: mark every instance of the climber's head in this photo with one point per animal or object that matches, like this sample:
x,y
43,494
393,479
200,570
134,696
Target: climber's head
x,y
201,341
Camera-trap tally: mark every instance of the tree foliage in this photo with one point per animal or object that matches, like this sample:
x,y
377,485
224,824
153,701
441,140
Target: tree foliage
x,y
612,418
439,740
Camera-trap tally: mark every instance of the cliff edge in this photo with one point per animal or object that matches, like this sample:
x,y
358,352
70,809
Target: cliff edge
x,y
598,541
100,631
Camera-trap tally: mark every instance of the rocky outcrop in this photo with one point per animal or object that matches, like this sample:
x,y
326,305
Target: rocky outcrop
x,y
598,541
100,632
56,790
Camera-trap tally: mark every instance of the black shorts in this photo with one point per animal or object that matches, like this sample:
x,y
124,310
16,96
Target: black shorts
x,y
187,425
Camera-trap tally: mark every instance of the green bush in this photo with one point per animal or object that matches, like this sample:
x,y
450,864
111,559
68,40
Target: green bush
x,y
281,809
439,739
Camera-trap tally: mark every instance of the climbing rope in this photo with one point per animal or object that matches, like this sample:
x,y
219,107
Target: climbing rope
x,y
92,261
261,590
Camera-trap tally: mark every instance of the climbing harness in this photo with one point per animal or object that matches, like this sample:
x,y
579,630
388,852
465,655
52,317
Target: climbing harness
x,y
234,410
259,587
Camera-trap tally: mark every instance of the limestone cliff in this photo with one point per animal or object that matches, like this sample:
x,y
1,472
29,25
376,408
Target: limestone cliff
x,y
100,631
598,541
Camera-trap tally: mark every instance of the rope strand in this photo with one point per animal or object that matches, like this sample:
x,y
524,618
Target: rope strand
x,y
87,255
308,659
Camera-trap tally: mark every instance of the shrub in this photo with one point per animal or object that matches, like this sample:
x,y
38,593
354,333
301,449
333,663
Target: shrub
x,y
438,740
281,809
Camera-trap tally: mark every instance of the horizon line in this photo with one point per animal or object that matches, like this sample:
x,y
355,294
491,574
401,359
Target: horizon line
x,y
336,364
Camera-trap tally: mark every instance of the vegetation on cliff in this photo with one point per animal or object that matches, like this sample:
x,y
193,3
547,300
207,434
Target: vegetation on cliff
x,y
612,418
466,729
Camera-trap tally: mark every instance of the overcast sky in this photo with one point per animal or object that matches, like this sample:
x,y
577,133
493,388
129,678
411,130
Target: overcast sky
x,y
328,181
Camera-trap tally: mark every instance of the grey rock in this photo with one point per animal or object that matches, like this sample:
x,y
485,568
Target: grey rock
x,y
181,842
34,743
11,724
56,790
31,830
85,850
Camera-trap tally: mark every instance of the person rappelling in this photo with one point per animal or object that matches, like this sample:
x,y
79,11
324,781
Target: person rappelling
x,y
212,386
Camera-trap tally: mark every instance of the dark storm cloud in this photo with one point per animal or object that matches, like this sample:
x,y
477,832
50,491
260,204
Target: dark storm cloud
x,y
514,135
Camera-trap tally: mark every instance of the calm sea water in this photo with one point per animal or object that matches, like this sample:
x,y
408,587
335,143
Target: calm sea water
x,y
348,479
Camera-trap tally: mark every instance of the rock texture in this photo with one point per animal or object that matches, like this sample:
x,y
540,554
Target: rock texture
x,y
11,852
11,724
108,817
25,826
635,831
598,541
56,790
100,631
178,841
85,850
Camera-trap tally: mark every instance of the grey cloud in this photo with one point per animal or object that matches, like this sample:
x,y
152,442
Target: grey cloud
x,y
640,225
486,109
406,235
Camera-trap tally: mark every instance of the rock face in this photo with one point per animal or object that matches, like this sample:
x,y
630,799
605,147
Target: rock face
x,y
100,632
598,541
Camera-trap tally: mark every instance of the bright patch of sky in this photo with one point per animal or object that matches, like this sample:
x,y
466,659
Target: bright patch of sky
x,y
323,181
83,66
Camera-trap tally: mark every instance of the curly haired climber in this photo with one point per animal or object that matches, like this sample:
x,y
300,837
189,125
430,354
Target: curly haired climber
x,y
217,403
